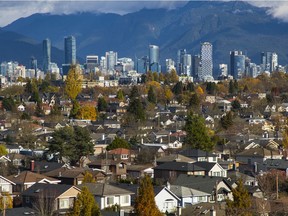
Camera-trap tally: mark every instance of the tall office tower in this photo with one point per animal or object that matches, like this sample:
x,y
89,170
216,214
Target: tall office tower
x,y
237,64
187,65
170,65
274,62
127,63
70,50
91,63
33,65
111,60
142,64
46,46
180,59
269,61
206,61
196,60
223,70
154,58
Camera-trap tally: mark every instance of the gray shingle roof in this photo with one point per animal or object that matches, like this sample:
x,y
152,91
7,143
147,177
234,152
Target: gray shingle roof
x,y
179,166
101,189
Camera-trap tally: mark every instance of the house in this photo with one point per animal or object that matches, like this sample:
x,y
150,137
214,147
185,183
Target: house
x,y
189,196
59,197
73,175
199,155
26,179
171,170
138,171
258,155
122,154
175,158
107,195
6,185
212,169
206,184
117,168
166,200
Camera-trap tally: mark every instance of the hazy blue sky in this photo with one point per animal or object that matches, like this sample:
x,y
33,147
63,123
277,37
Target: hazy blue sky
x,y
15,9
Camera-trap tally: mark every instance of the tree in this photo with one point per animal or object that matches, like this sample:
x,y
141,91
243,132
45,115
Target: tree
x,y
118,143
120,95
173,76
85,204
9,104
227,120
151,95
236,104
73,143
73,82
241,203
88,178
178,88
194,100
3,150
145,201
6,201
102,104
136,109
87,112
197,134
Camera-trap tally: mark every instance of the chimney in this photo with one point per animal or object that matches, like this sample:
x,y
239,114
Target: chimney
x,y
32,165
103,136
255,167
60,174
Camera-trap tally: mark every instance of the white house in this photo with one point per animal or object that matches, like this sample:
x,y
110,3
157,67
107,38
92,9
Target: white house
x,y
189,196
6,185
212,169
165,199
107,195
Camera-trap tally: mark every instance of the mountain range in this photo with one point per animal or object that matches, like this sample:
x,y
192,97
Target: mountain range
x,y
234,25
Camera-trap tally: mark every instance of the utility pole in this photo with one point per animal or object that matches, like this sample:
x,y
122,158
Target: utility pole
x,y
277,194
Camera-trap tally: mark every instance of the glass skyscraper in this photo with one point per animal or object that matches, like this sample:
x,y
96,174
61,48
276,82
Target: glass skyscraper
x,y
70,50
46,46
154,58
206,61
237,64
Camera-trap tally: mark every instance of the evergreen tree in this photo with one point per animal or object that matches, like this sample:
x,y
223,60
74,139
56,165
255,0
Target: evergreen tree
x,y
236,104
88,178
145,201
178,88
72,143
102,104
118,143
241,203
134,93
151,95
197,134
231,87
120,95
194,100
85,204
190,87
136,109
227,120
3,150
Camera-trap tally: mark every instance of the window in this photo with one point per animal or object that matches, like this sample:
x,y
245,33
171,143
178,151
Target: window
x,y
201,198
124,156
64,203
125,199
4,188
110,200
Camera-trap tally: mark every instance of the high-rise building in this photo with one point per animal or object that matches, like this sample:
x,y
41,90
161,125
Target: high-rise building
x,y
34,65
196,60
206,61
237,64
223,70
187,65
111,60
46,46
269,61
142,64
180,60
91,63
170,65
154,64
70,50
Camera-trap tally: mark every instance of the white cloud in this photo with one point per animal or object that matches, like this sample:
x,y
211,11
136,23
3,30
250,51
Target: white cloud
x,y
15,9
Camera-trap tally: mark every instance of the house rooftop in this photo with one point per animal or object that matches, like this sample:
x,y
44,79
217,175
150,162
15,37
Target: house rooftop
x,y
102,189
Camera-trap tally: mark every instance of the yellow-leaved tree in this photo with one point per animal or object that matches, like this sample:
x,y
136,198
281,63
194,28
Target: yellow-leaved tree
x,y
145,201
6,201
73,82
87,112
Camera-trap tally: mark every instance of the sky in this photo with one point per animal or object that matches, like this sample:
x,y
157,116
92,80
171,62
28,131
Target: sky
x,y
12,10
